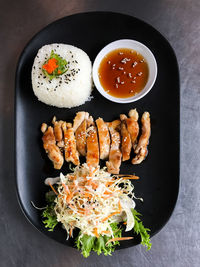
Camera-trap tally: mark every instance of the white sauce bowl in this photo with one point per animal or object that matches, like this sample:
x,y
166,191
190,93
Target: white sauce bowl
x,y
138,47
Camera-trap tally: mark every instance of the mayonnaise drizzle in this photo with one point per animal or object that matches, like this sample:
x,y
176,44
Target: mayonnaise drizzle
x,y
51,181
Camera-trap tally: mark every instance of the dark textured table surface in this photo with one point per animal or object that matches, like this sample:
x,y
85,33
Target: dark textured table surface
x,y
178,243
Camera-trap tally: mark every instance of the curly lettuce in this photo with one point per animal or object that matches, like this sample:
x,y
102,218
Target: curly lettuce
x,y
139,229
87,243
50,219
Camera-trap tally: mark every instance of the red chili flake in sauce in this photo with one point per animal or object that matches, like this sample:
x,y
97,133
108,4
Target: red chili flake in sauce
x,y
128,76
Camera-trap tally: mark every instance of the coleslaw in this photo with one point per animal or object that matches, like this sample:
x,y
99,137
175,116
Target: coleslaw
x,y
95,202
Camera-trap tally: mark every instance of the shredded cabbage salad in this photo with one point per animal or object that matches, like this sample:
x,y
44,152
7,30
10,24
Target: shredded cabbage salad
x,y
95,202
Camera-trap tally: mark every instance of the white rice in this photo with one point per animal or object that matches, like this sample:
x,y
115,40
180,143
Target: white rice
x,y
73,88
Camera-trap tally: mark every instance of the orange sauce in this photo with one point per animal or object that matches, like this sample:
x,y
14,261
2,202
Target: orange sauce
x,y
123,72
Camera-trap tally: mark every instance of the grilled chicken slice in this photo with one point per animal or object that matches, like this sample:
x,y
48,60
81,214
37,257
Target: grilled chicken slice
x,y
133,126
141,148
90,121
80,117
125,139
58,132
44,127
71,154
49,144
57,129
114,124
104,138
92,147
80,135
80,126
115,155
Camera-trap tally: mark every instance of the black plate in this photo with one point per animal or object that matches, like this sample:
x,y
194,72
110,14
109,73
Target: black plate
x,y
159,173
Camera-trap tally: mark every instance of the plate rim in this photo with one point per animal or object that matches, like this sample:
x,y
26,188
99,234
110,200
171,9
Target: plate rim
x,y
19,61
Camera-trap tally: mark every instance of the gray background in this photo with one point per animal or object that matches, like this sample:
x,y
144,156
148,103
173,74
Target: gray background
x,y
178,243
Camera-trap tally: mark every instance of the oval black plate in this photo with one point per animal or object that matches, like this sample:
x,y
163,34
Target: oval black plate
x,y
159,173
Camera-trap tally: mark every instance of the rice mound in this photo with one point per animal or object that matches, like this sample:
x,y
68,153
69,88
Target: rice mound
x,y
73,88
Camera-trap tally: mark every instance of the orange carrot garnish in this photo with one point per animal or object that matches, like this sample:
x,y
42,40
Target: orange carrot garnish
x,y
127,176
94,186
66,188
69,197
92,172
71,231
95,232
71,206
51,65
120,207
87,195
53,189
89,182
107,192
105,232
118,239
131,178
109,183
113,213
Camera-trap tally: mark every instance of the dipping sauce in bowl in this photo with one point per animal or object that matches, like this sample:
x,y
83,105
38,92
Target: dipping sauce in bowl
x,y
123,72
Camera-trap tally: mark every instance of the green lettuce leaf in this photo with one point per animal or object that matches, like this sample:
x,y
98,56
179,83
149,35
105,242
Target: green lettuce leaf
x,y
50,197
87,243
62,66
48,214
141,230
